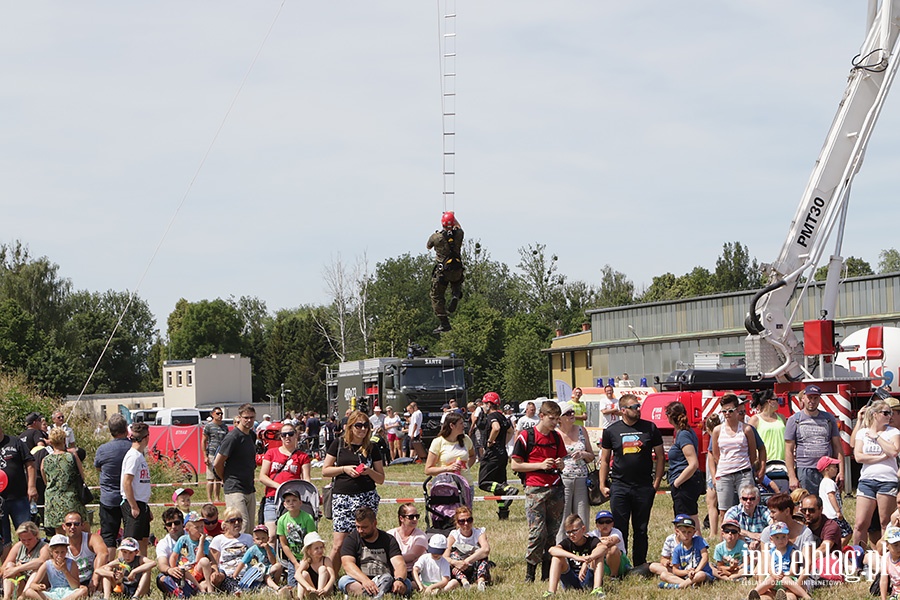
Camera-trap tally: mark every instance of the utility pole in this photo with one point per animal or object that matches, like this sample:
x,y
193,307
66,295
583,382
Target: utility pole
x,y
283,392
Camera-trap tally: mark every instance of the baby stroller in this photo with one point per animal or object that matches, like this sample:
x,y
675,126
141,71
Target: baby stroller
x,y
776,471
445,493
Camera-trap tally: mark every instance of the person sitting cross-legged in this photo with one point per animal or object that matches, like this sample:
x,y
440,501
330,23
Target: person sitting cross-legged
x,y
577,561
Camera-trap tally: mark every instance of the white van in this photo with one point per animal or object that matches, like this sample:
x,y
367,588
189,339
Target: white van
x,y
177,416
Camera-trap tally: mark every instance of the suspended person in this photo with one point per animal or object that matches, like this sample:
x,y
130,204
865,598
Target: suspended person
x,y
448,270
492,474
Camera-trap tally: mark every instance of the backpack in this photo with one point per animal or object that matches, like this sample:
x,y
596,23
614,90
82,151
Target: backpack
x,y
452,266
530,445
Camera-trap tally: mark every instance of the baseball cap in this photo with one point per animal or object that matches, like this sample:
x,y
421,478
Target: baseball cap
x,y
683,520
892,534
445,406
603,514
779,527
192,517
129,544
812,390
825,462
181,491
564,407
732,524
261,527
32,418
312,538
60,540
290,492
437,544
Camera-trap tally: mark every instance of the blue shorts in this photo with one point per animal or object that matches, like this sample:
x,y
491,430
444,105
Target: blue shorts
x,y
570,581
869,488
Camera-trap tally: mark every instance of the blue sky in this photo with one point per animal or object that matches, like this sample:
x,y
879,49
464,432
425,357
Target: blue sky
x,y
643,135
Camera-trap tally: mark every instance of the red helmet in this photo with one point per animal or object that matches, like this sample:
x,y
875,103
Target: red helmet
x,y
492,397
448,219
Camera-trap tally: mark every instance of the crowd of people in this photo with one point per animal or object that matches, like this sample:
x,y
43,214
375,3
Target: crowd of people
x,y
793,524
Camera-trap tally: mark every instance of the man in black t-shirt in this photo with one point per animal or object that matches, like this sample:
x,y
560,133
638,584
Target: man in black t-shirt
x,y
34,433
492,474
372,560
313,427
18,464
235,465
631,442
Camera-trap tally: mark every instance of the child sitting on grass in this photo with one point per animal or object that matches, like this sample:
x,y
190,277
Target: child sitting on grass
x,y
575,560
316,576
782,573
58,578
268,568
690,557
432,571
191,553
129,574
728,557
615,561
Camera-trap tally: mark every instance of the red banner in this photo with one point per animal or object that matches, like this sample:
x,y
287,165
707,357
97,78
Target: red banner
x,y
181,440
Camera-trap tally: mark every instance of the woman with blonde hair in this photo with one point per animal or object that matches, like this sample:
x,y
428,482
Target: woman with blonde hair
x,y
357,467
63,473
876,449
23,559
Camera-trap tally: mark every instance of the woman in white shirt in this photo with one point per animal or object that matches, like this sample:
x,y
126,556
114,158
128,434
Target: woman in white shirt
x,y
452,450
876,449
392,430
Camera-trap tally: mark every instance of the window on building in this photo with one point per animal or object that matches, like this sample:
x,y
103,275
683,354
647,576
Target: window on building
x,y
562,361
154,405
103,412
179,376
169,379
190,378
588,360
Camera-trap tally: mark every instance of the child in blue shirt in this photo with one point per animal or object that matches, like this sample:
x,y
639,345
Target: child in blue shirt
x,y
261,556
690,557
783,568
191,552
728,557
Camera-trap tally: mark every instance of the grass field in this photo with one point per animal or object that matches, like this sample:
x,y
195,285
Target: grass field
x,y
508,539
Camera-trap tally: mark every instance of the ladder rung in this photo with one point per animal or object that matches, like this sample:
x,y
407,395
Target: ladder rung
x,y
449,193
449,153
450,55
449,35
449,133
450,16
450,74
450,114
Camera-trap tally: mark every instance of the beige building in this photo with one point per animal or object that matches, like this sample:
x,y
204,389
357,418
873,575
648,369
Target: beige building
x,y
98,407
570,359
201,382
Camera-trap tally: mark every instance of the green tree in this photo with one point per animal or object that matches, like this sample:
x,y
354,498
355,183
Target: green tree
x,y
35,285
296,356
94,315
542,285
207,327
491,280
524,366
853,267
254,336
401,283
668,287
735,270
889,261
477,336
615,289
19,338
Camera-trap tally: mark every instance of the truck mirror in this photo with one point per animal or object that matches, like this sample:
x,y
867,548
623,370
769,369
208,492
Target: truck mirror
x,y
389,381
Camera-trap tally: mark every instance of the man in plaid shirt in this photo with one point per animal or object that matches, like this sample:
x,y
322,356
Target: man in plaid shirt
x,y
752,516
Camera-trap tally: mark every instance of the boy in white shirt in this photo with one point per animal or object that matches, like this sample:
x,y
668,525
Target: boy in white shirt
x,y
432,571
832,506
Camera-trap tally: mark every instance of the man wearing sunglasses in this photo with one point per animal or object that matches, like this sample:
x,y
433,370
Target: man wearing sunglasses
x,y
135,487
235,465
87,550
826,531
372,560
632,442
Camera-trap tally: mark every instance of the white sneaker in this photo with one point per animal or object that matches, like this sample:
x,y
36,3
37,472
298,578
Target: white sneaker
x,y
481,586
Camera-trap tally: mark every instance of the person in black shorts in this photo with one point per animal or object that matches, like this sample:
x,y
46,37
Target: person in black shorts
x,y
136,487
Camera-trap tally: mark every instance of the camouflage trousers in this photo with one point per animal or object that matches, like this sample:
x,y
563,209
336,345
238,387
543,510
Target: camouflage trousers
x,y
544,513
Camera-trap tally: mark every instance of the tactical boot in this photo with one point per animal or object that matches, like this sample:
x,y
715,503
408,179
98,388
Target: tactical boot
x,y
530,571
444,326
503,513
451,306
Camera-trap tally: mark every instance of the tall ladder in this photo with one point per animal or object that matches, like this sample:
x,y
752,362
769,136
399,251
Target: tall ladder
x,y
447,31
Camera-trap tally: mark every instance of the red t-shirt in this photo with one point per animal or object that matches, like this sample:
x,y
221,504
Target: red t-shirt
x,y
545,446
284,468
213,530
